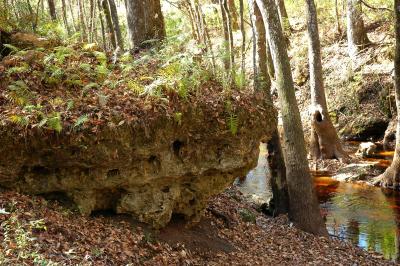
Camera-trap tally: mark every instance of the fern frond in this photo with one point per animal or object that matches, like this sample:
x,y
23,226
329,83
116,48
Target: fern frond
x,y
233,124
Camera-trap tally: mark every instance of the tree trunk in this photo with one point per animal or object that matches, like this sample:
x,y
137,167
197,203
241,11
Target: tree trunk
x,y
325,143
284,18
228,21
234,14
356,34
303,209
76,27
64,15
110,31
103,32
242,30
52,10
262,82
391,177
82,21
337,16
225,57
145,22
115,21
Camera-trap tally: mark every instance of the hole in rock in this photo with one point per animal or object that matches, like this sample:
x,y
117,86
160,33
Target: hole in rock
x,y
318,117
113,173
152,159
165,189
176,147
40,170
60,197
192,202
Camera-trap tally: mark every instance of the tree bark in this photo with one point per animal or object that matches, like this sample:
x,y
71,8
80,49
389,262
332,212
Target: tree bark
x,y
233,11
52,10
303,209
284,18
226,18
391,177
262,82
103,32
115,22
226,56
64,15
110,31
75,26
325,143
356,34
145,22
82,21
242,30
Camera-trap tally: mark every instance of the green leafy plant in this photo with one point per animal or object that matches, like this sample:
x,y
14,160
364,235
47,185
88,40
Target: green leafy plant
x,y
19,92
81,120
233,123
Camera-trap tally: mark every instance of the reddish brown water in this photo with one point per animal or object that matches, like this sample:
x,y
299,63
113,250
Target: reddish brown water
x,y
367,216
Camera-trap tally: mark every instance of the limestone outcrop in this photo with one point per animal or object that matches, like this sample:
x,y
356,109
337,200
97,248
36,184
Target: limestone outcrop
x,y
150,171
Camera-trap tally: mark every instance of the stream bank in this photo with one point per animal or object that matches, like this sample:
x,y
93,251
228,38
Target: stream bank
x,y
354,211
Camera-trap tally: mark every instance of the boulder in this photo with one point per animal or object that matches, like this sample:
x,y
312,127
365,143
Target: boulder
x,y
364,128
150,170
354,172
367,149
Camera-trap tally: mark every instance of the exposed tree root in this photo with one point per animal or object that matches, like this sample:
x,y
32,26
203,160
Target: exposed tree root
x,y
325,144
389,179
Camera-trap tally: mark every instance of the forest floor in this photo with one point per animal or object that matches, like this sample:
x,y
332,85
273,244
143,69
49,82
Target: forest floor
x,y
232,232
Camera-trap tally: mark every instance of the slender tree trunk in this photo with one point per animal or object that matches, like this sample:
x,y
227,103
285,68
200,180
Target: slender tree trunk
x,y
115,21
91,20
337,16
74,24
145,22
228,21
356,34
262,82
391,177
283,16
226,56
103,32
110,31
52,10
30,9
64,15
304,209
234,14
242,30
82,21
325,143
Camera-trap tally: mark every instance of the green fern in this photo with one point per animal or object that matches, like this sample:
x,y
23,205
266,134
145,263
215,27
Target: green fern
x,y
24,68
101,57
233,124
62,52
102,71
54,122
19,120
13,48
135,87
19,92
178,118
81,120
85,67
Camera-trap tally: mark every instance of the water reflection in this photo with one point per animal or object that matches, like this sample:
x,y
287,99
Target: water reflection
x,y
255,186
367,216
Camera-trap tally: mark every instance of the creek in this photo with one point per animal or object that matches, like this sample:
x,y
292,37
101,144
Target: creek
x,y
367,216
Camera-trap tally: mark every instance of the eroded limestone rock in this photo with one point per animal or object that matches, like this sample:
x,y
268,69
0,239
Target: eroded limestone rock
x,y
148,171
